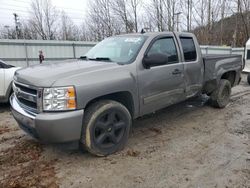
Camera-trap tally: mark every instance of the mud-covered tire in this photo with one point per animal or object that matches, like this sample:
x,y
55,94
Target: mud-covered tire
x,y
221,96
248,78
106,127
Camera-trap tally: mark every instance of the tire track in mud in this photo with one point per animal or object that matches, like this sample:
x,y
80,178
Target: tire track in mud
x,y
22,166
240,94
207,147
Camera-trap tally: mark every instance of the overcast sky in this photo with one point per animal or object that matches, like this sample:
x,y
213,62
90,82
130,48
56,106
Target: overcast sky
x,y
76,9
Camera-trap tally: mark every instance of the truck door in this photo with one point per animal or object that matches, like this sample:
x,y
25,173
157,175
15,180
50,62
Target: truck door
x,y
162,85
2,81
193,64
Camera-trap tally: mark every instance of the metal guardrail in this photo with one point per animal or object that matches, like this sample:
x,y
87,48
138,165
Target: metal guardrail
x,y
221,50
25,52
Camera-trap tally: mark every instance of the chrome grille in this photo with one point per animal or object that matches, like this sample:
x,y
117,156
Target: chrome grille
x,y
27,96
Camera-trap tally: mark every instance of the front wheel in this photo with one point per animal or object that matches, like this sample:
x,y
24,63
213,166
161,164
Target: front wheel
x,y
220,97
105,128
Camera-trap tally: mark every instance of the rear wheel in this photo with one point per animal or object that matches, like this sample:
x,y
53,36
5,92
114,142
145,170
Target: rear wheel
x,y
106,127
221,96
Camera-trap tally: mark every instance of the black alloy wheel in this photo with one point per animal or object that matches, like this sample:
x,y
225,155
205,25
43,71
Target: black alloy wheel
x,y
106,127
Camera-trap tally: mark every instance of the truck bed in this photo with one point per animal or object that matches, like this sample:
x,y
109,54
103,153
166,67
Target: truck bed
x,y
216,64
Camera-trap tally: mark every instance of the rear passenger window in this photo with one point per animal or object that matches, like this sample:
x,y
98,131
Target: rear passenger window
x,y
165,46
189,49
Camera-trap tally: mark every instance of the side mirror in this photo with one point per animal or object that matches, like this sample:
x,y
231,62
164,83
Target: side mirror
x,y
155,59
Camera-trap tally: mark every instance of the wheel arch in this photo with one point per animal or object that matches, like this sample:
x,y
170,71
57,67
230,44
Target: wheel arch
x,y
230,76
211,85
123,97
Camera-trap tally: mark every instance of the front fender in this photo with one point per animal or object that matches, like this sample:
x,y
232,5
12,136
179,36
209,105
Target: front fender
x,y
105,85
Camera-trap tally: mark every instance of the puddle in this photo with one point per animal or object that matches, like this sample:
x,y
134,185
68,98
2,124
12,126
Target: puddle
x,y
199,101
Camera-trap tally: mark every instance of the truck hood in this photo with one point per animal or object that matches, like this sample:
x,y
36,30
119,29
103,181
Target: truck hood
x,y
46,74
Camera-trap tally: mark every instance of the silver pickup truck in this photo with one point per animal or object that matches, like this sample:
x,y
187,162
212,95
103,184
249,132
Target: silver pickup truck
x,y
94,99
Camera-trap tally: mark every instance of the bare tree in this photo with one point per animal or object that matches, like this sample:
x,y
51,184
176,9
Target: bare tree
x,y
172,7
102,21
121,11
153,16
28,32
244,9
43,17
134,5
158,7
170,16
68,30
7,32
206,18
223,6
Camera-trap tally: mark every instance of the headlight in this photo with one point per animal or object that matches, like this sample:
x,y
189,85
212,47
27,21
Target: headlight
x,y
59,99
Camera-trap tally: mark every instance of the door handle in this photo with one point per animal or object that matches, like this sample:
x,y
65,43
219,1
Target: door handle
x,y
176,71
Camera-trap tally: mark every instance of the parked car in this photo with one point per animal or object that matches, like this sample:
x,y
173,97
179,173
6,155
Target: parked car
x,y
247,60
93,100
6,77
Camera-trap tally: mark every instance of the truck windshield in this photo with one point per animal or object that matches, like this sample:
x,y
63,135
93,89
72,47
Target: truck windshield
x,y
120,49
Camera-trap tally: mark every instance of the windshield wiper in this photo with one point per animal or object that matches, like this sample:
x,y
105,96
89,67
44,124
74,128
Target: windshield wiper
x,y
83,57
100,59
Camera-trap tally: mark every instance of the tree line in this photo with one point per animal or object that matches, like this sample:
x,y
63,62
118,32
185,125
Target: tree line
x,y
105,18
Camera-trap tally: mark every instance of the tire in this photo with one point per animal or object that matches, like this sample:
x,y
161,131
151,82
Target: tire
x,y
248,78
106,127
221,96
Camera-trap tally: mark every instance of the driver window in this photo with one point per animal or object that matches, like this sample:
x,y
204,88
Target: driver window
x,y
165,46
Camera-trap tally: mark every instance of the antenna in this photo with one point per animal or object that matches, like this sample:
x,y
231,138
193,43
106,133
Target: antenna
x,y
143,31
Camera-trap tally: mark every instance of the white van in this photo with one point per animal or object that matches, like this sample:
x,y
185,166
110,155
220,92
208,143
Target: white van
x,y
247,57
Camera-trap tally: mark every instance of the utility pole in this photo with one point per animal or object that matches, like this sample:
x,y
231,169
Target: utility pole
x,y
16,24
178,18
188,15
173,10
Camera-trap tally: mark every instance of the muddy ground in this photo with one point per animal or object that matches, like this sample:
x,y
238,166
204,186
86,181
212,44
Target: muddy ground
x,y
187,145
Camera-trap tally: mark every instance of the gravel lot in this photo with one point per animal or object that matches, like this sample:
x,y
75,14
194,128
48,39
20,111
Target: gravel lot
x,y
187,145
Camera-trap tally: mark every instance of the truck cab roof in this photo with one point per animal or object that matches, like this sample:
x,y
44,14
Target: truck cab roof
x,y
155,34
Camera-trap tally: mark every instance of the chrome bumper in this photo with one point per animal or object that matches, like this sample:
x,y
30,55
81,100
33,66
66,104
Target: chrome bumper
x,y
58,127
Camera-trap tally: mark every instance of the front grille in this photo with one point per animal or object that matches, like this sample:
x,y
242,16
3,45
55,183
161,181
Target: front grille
x,y
26,89
26,96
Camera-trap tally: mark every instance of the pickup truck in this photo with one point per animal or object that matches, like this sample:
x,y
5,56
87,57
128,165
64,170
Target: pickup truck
x,y
6,77
93,100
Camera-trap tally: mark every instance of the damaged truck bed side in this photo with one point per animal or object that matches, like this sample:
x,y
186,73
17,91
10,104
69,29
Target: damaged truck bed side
x,y
93,100
219,67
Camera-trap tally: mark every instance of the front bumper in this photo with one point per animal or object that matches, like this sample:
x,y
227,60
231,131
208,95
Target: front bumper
x,y
54,127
